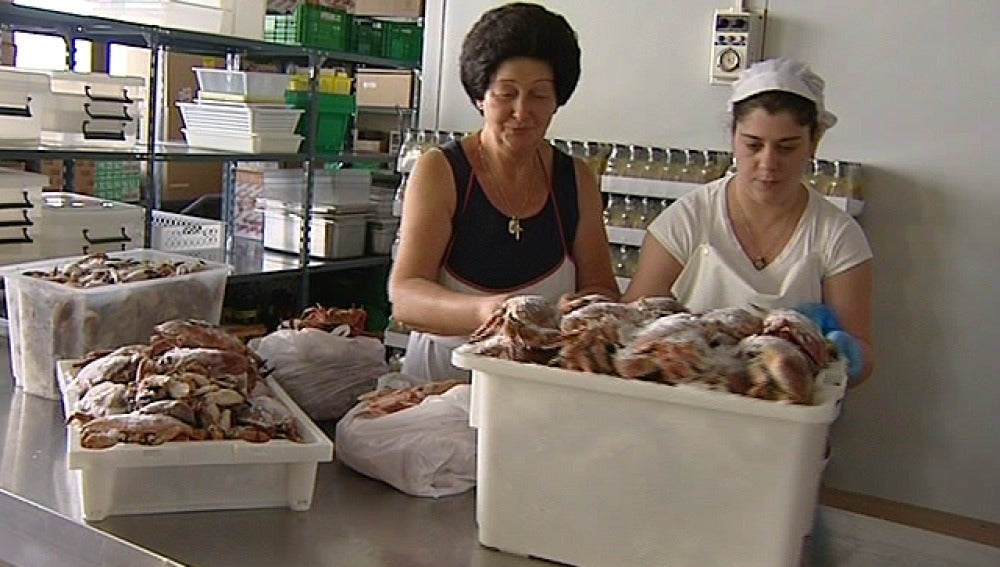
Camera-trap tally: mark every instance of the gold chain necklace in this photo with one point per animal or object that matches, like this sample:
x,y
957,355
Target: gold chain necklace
x,y
760,261
514,224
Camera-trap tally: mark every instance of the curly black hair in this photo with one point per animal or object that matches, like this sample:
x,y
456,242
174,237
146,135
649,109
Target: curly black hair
x,y
519,30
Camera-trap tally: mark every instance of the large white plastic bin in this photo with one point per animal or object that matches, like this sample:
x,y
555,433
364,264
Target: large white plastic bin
x,y
185,476
588,469
20,110
93,108
51,321
80,224
20,211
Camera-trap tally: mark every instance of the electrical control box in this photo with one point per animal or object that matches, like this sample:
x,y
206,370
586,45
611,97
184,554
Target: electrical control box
x,y
737,42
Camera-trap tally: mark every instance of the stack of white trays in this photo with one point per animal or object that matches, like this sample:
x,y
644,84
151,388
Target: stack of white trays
x,y
20,91
241,111
20,213
93,109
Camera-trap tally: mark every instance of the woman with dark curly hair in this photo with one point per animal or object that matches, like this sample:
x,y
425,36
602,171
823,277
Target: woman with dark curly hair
x,y
500,212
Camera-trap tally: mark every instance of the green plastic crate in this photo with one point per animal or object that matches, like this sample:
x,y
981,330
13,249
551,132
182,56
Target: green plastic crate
x,y
403,41
335,113
368,36
318,26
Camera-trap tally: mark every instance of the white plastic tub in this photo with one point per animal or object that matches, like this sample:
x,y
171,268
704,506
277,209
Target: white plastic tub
x,y
51,321
183,476
237,117
93,109
20,112
73,224
333,237
332,188
208,16
249,143
588,469
241,86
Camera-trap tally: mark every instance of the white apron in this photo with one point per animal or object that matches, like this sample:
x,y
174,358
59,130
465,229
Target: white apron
x,y
428,356
709,280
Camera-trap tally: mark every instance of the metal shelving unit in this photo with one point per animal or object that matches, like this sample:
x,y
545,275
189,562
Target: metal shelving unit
x,y
160,40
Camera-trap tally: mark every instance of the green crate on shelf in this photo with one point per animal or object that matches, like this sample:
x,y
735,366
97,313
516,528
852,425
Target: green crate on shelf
x,y
367,36
403,40
314,26
318,26
335,113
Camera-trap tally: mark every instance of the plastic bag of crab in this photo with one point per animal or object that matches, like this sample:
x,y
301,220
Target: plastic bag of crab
x,y
773,355
191,382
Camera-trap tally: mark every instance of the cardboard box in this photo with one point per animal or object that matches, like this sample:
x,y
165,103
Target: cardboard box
x,y
387,88
395,8
186,181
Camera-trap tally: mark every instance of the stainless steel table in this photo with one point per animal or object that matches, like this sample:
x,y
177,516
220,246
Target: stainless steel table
x,y
354,521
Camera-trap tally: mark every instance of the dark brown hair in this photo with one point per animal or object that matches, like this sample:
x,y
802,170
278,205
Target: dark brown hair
x,y
803,110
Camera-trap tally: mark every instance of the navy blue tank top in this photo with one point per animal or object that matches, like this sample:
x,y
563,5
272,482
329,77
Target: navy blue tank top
x,y
483,254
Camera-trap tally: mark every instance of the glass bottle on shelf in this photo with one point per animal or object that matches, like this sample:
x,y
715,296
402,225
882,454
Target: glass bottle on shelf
x,y
633,167
619,254
612,210
627,213
852,174
838,186
617,160
651,168
818,178
653,207
631,260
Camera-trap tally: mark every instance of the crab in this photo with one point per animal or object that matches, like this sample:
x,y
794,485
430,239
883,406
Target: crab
x,y
801,331
216,365
677,357
729,325
146,429
106,398
269,416
527,320
327,319
593,333
195,333
118,366
777,369
656,307
568,303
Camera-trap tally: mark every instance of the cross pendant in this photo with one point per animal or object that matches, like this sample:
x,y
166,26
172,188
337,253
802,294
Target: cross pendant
x,y
514,227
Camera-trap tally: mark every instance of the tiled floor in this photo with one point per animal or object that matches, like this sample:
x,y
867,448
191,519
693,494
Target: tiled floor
x,y
845,539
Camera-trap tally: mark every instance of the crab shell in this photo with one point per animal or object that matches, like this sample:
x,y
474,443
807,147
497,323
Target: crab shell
x,y
778,370
146,429
800,330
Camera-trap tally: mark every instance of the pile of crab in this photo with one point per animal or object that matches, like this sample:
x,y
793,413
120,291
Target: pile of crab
x,y
328,319
192,381
772,355
99,269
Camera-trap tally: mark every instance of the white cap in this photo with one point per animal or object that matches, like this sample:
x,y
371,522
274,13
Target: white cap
x,y
783,75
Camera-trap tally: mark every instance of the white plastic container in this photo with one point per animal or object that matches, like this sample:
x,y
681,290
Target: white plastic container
x,y
93,109
207,16
331,188
189,235
20,118
330,237
241,86
588,469
249,143
51,321
239,117
73,224
186,476
20,211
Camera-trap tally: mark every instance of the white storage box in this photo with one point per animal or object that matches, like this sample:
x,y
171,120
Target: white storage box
x,y
20,210
239,117
208,16
51,321
183,476
189,235
333,237
241,86
93,108
20,112
249,143
73,224
333,188
589,469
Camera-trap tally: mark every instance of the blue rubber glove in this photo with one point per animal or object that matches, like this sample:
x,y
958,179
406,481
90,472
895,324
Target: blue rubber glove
x,y
847,346
850,349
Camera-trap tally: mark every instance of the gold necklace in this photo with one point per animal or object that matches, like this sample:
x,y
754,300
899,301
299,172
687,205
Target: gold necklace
x,y
514,224
760,261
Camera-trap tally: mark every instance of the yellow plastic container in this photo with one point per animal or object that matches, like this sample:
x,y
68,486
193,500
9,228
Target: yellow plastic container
x,y
328,83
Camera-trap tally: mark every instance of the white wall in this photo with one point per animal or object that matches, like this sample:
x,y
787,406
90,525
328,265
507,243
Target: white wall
x,y
914,84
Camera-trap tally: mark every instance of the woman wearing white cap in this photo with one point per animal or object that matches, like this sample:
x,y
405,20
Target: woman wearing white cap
x,y
759,236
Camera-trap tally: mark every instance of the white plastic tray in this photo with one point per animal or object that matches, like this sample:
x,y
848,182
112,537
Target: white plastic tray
x,y
249,143
196,475
247,118
242,86
589,469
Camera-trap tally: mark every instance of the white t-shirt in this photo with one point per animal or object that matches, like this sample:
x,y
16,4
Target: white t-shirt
x,y
698,223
